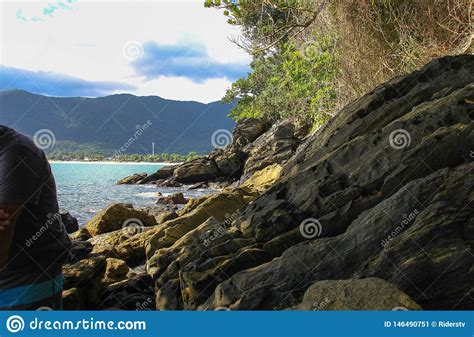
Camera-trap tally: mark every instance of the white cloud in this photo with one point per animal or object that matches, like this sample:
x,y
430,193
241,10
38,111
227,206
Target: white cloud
x,y
87,41
180,88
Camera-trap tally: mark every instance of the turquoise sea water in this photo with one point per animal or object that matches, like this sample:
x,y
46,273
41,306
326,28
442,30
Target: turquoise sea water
x,y
86,188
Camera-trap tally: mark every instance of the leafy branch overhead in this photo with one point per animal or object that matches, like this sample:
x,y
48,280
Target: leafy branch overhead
x,y
310,58
268,24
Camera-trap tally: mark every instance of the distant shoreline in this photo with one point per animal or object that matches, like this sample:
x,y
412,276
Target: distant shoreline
x,y
111,162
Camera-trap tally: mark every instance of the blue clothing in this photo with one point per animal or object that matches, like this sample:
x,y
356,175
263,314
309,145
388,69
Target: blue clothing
x,y
44,295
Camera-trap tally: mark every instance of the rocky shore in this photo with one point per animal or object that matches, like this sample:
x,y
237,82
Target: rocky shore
x,y
373,211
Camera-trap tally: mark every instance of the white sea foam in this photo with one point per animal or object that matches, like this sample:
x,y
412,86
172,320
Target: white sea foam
x,y
147,195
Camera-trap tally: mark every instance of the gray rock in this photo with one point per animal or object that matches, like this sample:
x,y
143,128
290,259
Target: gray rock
x,y
79,250
275,146
136,294
133,179
70,222
384,192
357,294
201,169
163,173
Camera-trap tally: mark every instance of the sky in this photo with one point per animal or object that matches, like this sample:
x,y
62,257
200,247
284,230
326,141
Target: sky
x,y
173,49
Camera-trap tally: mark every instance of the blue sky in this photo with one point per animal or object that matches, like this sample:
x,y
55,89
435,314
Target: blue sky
x,y
189,60
56,84
174,49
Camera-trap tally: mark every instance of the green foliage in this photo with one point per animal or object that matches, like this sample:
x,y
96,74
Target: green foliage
x,y
311,58
288,78
296,81
157,158
67,151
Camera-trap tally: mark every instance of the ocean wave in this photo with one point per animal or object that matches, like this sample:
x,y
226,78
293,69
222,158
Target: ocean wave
x,y
146,195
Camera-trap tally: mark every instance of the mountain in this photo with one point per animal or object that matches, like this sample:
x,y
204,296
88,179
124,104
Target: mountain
x,y
115,122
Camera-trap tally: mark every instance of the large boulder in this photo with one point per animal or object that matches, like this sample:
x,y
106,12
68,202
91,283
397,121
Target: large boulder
x,y
173,199
247,130
73,299
117,216
262,180
135,294
115,271
144,178
70,223
83,272
163,173
120,244
275,146
201,169
133,179
356,294
83,282
230,161
79,250
81,235
218,206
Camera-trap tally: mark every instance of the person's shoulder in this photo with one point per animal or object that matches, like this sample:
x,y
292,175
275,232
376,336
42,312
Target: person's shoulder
x,y
15,142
